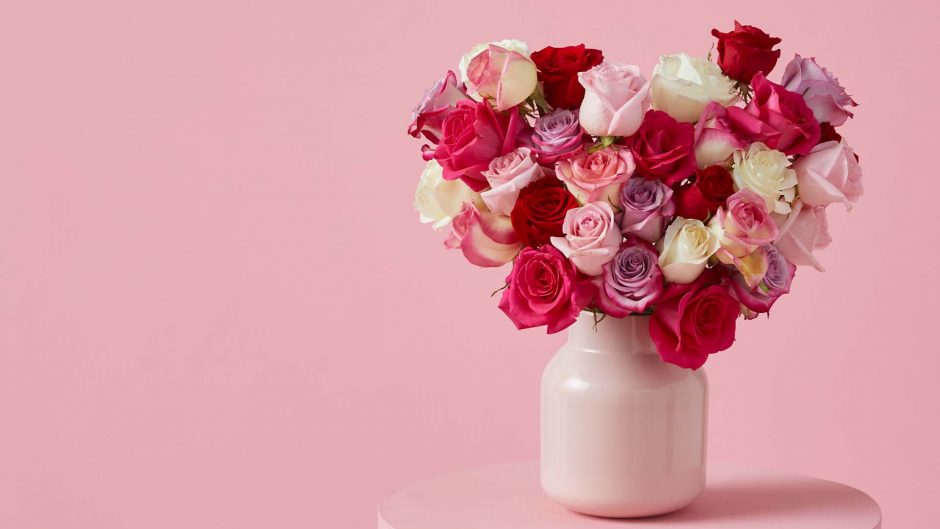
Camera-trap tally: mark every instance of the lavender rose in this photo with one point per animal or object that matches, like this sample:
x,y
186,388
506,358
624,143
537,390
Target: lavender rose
x,y
632,281
647,204
776,283
557,135
821,90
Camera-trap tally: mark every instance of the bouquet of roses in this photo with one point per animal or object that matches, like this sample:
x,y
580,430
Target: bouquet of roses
x,y
692,196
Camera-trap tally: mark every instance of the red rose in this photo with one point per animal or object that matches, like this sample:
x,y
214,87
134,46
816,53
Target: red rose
x,y
828,133
540,211
701,199
694,320
662,148
746,51
472,135
558,72
776,117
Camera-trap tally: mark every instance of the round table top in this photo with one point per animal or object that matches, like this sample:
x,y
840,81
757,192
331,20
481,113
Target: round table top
x,y
510,497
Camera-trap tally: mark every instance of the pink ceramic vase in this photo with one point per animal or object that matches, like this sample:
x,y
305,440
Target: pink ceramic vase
x,y
623,433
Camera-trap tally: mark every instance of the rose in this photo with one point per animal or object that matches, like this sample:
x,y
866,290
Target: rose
x,y
662,148
507,176
615,97
694,320
682,86
543,288
517,46
828,133
702,198
746,51
558,72
591,237
646,204
438,200
819,88
428,117
631,282
767,173
829,173
805,229
486,239
540,211
715,141
507,76
687,246
557,135
597,176
744,225
777,117
473,134
776,282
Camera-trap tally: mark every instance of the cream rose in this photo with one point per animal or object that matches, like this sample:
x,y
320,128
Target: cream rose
x,y
438,200
768,173
682,86
509,44
686,248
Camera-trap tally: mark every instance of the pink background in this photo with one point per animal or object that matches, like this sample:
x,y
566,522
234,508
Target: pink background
x,y
217,308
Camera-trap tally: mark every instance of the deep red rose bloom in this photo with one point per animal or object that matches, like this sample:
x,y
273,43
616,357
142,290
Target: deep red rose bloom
x,y
662,148
746,51
692,321
776,117
540,211
558,72
701,199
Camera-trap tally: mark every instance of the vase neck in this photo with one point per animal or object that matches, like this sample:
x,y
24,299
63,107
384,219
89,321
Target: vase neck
x,y
629,334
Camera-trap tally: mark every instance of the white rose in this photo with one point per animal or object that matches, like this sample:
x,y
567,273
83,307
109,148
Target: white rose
x,y
683,85
768,173
687,246
509,44
438,200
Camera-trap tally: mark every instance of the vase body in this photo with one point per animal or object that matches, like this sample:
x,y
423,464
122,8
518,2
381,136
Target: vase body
x,y
623,433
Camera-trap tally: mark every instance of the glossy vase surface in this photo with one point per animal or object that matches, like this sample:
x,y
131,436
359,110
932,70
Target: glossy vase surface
x,y
623,433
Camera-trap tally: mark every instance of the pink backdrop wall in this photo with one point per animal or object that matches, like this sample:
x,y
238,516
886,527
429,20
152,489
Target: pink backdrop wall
x,y
217,308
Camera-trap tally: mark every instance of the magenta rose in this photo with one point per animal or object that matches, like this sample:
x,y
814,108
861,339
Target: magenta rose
x,y
428,118
474,134
647,205
544,288
776,282
662,148
632,281
557,136
819,88
777,118
694,320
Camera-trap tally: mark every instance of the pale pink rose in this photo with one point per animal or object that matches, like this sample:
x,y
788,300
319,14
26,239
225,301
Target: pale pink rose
x,y
744,224
801,232
504,75
616,96
592,237
428,117
714,140
597,176
507,176
485,238
821,90
829,173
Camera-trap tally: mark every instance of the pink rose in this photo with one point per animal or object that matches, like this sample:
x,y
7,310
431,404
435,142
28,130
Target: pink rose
x,y
507,176
543,288
694,320
777,118
428,117
775,283
597,176
615,98
744,224
647,205
715,142
829,173
821,90
632,281
485,238
472,135
805,229
557,135
592,237
504,75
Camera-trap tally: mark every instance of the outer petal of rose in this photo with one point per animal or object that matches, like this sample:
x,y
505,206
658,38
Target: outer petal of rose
x,y
715,146
483,251
486,239
804,230
502,198
581,295
627,119
595,114
752,267
603,301
683,272
517,82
